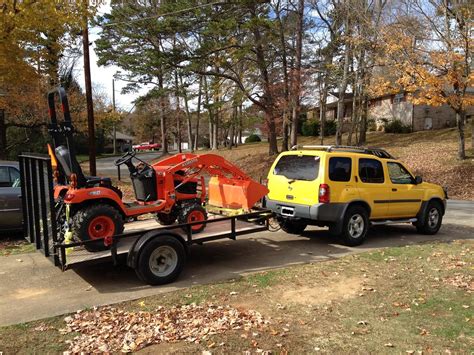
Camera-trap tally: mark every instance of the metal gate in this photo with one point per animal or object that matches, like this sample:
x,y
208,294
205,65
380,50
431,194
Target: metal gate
x,y
37,197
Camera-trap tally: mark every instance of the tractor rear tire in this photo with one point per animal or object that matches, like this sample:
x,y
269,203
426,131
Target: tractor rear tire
x,y
192,213
96,222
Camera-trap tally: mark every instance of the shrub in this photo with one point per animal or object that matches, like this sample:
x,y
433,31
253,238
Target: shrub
x,y
397,126
371,125
253,138
330,128
310,128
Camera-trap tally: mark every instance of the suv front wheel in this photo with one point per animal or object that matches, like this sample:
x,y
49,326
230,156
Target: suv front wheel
x,y
431,221
355,226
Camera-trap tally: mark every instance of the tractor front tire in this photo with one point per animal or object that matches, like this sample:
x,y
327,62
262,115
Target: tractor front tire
x,y
192,213
96,222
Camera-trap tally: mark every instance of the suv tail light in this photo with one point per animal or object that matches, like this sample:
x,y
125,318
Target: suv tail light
x,y
324,193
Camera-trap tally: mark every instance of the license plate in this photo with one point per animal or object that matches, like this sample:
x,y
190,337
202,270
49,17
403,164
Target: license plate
x,y
287,211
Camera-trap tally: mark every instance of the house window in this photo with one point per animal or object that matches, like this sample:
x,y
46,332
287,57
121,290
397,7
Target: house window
x,y
399,98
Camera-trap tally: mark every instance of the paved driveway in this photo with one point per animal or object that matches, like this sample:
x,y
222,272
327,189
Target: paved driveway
x,y
32,288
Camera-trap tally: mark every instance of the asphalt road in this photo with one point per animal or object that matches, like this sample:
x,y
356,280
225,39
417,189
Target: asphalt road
x,y
32,288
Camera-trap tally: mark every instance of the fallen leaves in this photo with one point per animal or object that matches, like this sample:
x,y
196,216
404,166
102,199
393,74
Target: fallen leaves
x,y
110,329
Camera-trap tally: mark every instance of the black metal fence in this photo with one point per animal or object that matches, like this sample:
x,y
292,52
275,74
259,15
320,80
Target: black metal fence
x,y
37,196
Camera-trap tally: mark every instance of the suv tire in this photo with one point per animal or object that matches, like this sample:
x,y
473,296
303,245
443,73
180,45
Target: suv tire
x,y
292,227
430,222
355,226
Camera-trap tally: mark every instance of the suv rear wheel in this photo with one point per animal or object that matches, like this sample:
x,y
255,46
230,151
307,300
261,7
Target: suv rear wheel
x,y
355,226
292,227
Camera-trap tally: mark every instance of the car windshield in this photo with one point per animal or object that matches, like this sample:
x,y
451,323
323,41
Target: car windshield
x,y
298,167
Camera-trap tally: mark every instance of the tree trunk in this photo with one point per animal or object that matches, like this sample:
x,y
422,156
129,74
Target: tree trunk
x,y
272,138
322,113
3,135
343,87
189,127
297,86
164,139
363,121
198,118
239,137
284,142
460,115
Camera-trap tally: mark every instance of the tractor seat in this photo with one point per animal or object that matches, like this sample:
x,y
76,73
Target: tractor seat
x,y
97,180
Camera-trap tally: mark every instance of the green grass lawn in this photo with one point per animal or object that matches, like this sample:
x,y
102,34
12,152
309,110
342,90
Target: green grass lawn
x,y
412,299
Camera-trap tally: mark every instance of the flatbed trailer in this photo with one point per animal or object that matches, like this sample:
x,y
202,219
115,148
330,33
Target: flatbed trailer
x,y
156,253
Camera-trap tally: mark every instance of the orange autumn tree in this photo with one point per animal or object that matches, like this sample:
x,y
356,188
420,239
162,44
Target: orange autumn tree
x,y
428,50
33,36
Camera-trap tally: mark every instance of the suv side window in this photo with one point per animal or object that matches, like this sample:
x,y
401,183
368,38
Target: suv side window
x,y
371,171
340,169
398,174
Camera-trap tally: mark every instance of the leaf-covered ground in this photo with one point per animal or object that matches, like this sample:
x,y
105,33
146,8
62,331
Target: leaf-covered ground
x,y
412,299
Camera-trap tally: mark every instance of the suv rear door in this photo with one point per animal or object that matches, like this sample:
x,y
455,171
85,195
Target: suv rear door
x,y
294,178
373,187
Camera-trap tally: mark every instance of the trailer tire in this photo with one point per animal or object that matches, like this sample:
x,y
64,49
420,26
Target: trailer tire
x,y
161,260
192,213
92,220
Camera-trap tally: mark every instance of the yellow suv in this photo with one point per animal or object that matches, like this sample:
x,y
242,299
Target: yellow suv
x,y
349,188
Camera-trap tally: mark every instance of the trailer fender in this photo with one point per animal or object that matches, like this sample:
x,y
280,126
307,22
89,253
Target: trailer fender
x,y
137,246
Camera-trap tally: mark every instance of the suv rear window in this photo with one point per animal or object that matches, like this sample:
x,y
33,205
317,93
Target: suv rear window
x,y
340,169
371,171
294,167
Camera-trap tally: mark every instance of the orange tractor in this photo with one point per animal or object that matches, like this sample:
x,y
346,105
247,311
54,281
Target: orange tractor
x,y
173,189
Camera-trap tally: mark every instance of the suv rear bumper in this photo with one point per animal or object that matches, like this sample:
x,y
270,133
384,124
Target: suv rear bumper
x,y
324,212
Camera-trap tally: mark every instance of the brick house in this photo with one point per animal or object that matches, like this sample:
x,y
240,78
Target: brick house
x,y
392,107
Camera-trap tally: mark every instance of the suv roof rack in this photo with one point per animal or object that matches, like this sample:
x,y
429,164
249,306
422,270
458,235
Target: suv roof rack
x,y
378,152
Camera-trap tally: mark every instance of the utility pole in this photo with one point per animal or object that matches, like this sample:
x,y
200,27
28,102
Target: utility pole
x,y
115,123
90,107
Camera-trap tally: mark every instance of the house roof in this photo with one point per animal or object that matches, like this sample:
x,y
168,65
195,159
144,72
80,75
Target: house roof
x,y
121,136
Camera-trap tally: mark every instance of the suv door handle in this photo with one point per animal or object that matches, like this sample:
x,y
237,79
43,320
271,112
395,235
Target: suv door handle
x,y
394,189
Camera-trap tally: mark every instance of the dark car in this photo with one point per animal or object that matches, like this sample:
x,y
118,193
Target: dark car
x,y
10,196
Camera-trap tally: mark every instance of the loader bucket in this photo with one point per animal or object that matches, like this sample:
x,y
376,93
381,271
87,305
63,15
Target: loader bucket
x,y
235,194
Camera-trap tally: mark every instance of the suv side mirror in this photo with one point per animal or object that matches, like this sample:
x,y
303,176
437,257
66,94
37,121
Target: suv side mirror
x,y
418,180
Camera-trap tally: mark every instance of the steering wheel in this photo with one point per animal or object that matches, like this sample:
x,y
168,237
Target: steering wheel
x,y
125,158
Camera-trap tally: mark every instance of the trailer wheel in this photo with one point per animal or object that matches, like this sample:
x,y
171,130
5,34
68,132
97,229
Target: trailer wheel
x,y
193,213
96,222
161,260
